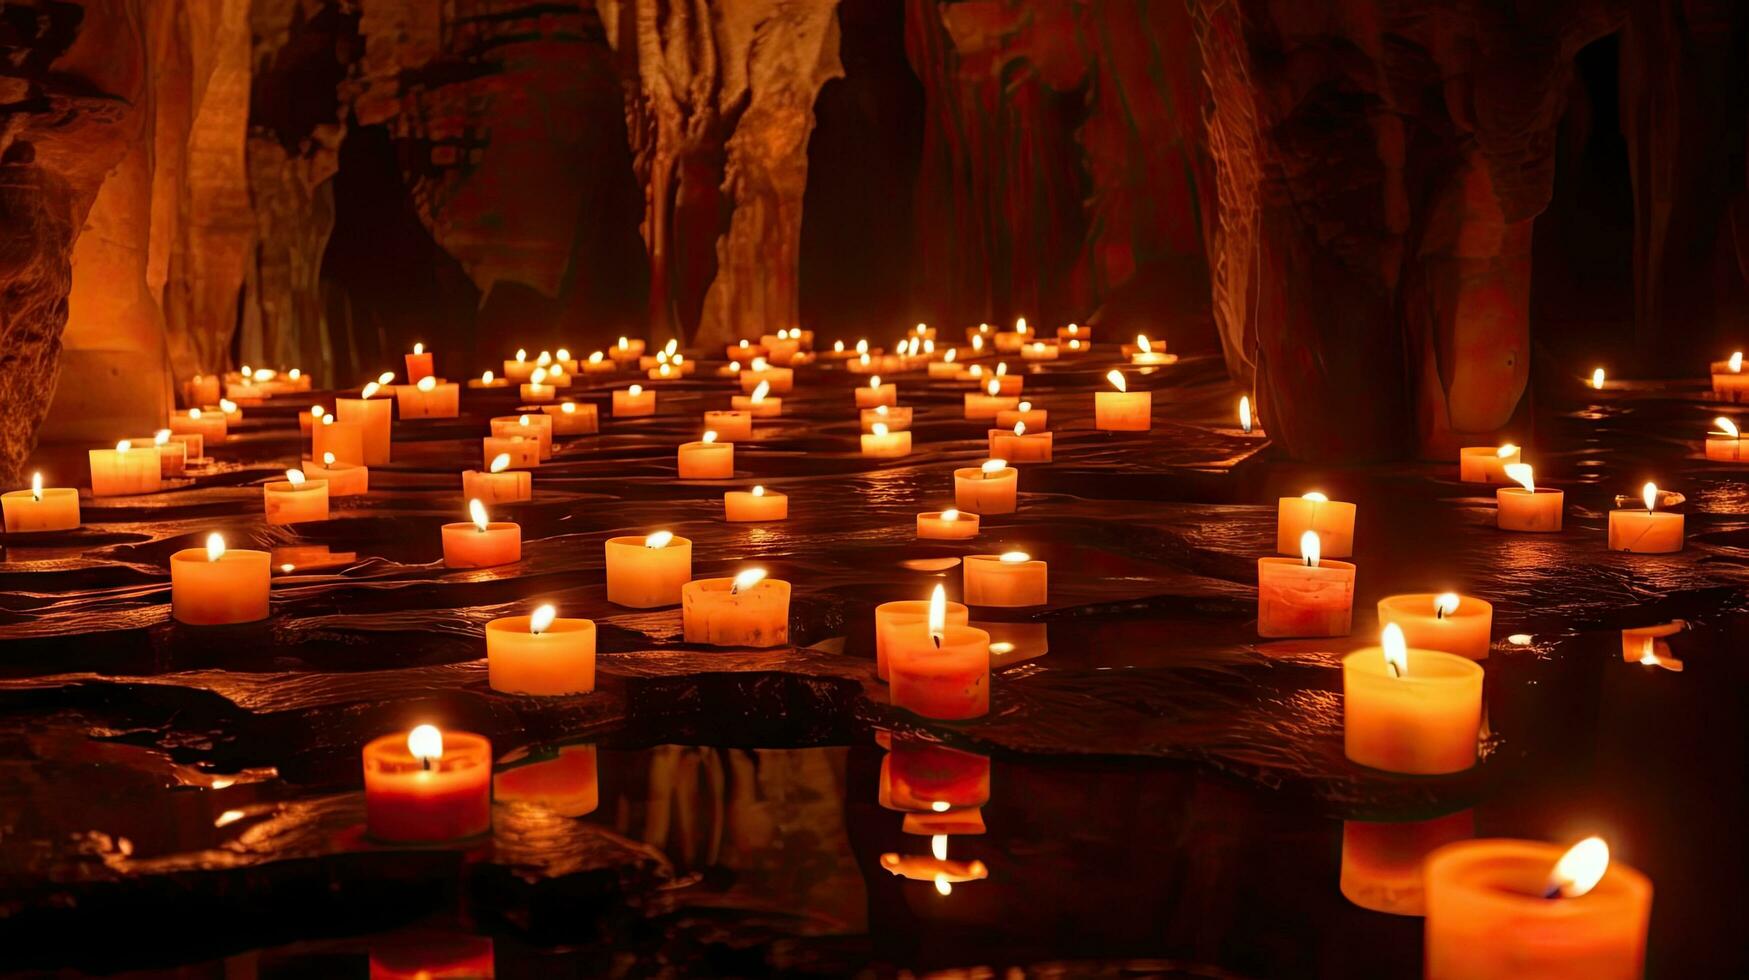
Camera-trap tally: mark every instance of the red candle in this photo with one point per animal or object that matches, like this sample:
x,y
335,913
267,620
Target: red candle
x,y
426,786
418,364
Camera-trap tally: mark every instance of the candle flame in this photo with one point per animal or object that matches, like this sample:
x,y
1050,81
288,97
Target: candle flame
x,y
568,408
385,377
760,390
500,463
194,413
976,370
734,367
664,370
1117,380
327,420
635,390
425,743
1315,497
36,486
227,406
427,383
938,846
942,885
477,511
951,355
418,348
160,437
123,446
522,355
1001,368
522,420
758,490
1445,603
327,459
369,390
1520,473
1396,650
1649,493
1506,450
709,436
545,358
263,374
596,356
563,354
1024,406
1143,345
922,327
294,374
624,344
1015,557
1020,325
1727,427
882,411
937,613
1020,428
658,539
874,381
879,429
485,377
215,546
541,619
1649,652
993,466
994,387
1310,548
672,346
978,342
747,580
317,411
295,477
837,346
862,347
1579,870
1737,362
1597,378
1245,413
538,376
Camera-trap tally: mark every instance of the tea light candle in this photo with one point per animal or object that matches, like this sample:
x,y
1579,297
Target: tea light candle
x,y
373,416
227,409
172,453
947,525
882,443
428,786
890,617
481,543
1019,445
1382,863
520,368
759,404
1729,381
939,670
310,418
749,610
216,586
1333,520
1154,343
1306,596
1146,356
572,419
1122,410
524,453
193,447
781,379
210,426
598,363
40,508
877,394
343,479
1526,508
626,350
1011,579
498,484
1006,384
1725,444
1039,350
1647,532
344,440
757,504
540,654
743,350
1036,419
488,380
946,368
1448,622
989,402
896,419
1505,909
537,428
731,426
295,499
991,488
1408,710
706,459
202,389
1486,464
429,398
124,470
650,571
633,402
418,366
537,389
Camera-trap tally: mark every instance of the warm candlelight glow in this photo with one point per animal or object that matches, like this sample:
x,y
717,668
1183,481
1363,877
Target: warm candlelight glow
x,y
369,390
994,387
427,383
879,429
485,377
710,435
385,378
327,459
1597,378
596,357
537,376
1520,474
760,390
1116,378
937,614
522,355
874,381
545,358
568,408
993,466
862,347
658,539
215,546
1445,604
477,511
294,477
1649,652
938,846
1020,428
635,390
747,580
942,885
1001,368
500,463
1649,493
123,446
1579,870
317,411
950,514
36,486
1142,342
1315,497
418,348
425,743
1020,325
1015,557
1396,650
1245,413
951,355
1727,428
1737,362
624,344
758,491
541,619
194,413
1310,547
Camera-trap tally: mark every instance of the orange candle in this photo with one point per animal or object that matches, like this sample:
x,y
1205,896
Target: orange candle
x,y
781,379
732,426
565,783
892,616
572,419
344,440
1036,419
193,447
988,489
210,426
172,453
1725,444
1122,410
418,366
343,479
540,654
749,610
295,499
1487,464
759,404
882,443
498,484
481,543
428,398
646,572
374,417
1382,863
1447,622
1647,532
1332,520
124,470
947,525
928,777
757,504
538,388
1507,909
1306,596
1410,711
1019,445
488,380
521,368
309,418
896,419
633,402
877,394
990,402
213,586
1525,507
202,389
537,427
1010,579
626,350
1145,355
706,459
1729,382
428,786
937,670
226,409
40,509
1039,350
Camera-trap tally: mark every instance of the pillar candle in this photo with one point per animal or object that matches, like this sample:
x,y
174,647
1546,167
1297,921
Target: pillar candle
x,y
882,443
1729,382
537,426
211,427
428,398
419,366
374,417
649,571
524,453
124,470
1410,711
424,787
344,479
1448,622
1075,331
540,654
733,426
1332,520
344,439
1010,579
781,379
295,499
202,389
1383,863
876,393
1035,419
759,404
215,586
481,543
634,401
193,445
988,489
947,525
572,419
892,616
1649,531
940,673
1122,410
1017,445
1725,444
172,453
1486,464
748,610
1527,507
896,419
706,459
758,504
498,483
990,402
40,508
1488,919
1305,596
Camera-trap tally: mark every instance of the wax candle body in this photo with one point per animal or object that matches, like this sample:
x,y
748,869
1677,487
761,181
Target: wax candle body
x,y
405,802
782,379
892,616
524,453
705,460
1725,449
57,509
986,493
441,402
193,446
943,369
481,384
537,426
643,577
507,487
119,472
211,427
921,776
519,370
1647,532
466,546
291,503
744,505
419,366
572,419
1036,419
1332,519
1484,464
731,426
768,408
567,784
1383,863
1010,342
202,389
757,616
629,350
374,417
1729,385
626,404
990,581
1030,447
558,660
172,454
1123,411
1487,918
232,589
343,479
867,397
1296,599
894,418
1466,631
344,439
1039,350
931,524
949,680
1424,723
1518,509
982,406
888,446
537,393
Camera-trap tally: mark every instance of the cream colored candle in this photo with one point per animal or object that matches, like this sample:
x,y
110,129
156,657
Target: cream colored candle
x,y
989,402
374,417
428,398
537,389
749,610
210,426
782,380
524,453
124,470
488,380
540,654
295,499
633,402
1525,507
626,350
498,483
537,426
1020,446
890,617
992,488
881,443
1011,579
344,479
894,418
757,504
646,572
875,393
520,368
706,459
1448,622
215,586
572,419
345,440
1333,520
1036,419
481,543
1487,464
1122,410
1647,532
428,786
937,669
1308,596
731,426
40,508
947,525
1409,710
759,404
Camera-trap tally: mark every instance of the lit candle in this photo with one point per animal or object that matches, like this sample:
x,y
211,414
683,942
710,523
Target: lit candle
x,y
877,394
1122,410
1011,579
1039,350
894,418
521,368
626,350
757,504
992,488
1036,419
572,419
172,453
987,403
481,543
1725,444
1729,381
1597,379
938,670
1408,710
1019,445
540,654
1505,909
598,363
295,499
633,401
1007,384
743,350
1146,356
1305,596
1009,342
650,571
1526,507
488,380
1075,331
883,443
428,398
428,786
889,617
211,427
374,417
947,525
202,389
781,379
1647,532
524,452
1245,420
1487,464
947,367
343,440
498,483
1448,622
731,426
39,508
310,418
418,366
536,389
1333,520
124,470
227,409
215,586
537,427
564,781
748,610
706,459
759,404
1382,863
193,447
343,479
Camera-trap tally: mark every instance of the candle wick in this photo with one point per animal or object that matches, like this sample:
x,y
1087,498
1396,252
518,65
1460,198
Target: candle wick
x,y
1391,665
1553,890
425,761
